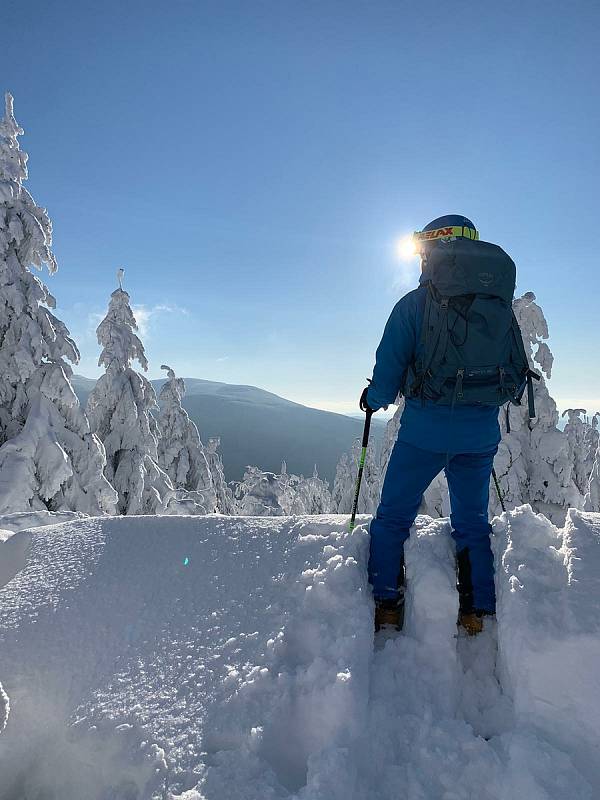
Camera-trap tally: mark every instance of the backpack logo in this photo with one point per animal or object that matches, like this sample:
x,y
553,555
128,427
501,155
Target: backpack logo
x,y
486,278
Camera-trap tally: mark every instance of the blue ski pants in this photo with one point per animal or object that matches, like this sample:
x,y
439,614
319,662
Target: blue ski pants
x,y
409,473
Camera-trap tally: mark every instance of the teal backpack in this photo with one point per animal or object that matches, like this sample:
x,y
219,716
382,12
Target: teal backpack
x,y
471,349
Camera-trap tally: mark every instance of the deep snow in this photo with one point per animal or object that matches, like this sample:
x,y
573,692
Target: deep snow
x,y
220,658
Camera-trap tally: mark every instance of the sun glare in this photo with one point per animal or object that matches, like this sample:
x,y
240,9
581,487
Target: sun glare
x,y
405,248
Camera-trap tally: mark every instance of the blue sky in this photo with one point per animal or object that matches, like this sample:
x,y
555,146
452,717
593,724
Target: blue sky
x,y
251,165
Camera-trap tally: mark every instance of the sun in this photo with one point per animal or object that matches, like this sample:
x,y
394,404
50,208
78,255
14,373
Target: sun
x,y
405,248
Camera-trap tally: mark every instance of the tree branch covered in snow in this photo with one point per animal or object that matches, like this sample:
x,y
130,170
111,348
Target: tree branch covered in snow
x,y
49,458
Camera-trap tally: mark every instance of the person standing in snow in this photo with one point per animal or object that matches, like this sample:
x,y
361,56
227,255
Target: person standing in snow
x,y
454,350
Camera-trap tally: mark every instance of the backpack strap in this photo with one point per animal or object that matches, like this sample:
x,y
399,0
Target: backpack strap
x,y
434,341
530,399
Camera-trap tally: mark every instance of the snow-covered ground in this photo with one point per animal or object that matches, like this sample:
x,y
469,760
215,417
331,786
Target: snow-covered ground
x,y
224,658
23,520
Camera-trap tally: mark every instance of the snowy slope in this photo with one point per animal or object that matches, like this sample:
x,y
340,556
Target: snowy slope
x,y
232,659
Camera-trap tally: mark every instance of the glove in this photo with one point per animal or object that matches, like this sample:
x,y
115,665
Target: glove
x,y
364,406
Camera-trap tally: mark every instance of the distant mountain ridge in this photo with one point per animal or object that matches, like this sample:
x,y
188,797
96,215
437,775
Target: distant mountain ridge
x,y
261,428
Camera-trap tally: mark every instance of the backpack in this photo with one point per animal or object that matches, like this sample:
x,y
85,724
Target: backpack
x,y
471,348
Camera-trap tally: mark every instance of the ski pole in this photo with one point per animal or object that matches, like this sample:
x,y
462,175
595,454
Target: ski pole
x,y
495,477
361,466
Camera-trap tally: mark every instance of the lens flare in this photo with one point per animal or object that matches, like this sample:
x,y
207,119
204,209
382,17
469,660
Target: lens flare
x,y
405,248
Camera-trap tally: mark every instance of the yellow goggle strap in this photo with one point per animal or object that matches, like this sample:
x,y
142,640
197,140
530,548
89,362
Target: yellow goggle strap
x,y
443,233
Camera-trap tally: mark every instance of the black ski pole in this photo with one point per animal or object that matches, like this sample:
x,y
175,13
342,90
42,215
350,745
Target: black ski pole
x,y
361,466
497,484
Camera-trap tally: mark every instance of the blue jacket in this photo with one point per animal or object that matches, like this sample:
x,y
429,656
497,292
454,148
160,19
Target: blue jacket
x,y
440,429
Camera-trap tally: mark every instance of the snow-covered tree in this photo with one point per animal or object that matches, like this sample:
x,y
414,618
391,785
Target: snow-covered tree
x,y
300,495
49,459
266,494
344,485
592,440
313,495
259,493
592,497
120,412
577,431
225,503
180,451
389,439
534,461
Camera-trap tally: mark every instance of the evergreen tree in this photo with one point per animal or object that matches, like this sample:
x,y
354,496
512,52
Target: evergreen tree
x,y
259,493
592,439
263,493
180,451
314,495
344,485
120,412
225,503
49,459
577,431
534,461
592,498
300,495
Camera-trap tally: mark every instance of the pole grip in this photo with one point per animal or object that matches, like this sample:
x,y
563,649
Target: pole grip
x,y
367,428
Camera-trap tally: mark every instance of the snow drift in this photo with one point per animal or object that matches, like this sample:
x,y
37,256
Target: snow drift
x,y
213,658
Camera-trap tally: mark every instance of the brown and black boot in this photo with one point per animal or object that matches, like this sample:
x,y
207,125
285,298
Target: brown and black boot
x,y
469,617
389,614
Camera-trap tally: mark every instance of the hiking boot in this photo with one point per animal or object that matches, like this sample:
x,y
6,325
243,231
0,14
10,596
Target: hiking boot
x,y
472,621
389,614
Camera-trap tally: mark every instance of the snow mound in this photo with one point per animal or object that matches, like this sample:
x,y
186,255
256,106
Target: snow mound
x,y
224,658
549,628
23,520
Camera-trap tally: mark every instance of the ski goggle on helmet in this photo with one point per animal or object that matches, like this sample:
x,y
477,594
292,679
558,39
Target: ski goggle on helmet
x,y
444,229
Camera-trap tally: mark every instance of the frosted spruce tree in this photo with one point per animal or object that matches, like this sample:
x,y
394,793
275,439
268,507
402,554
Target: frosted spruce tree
x,y
592,497
300,495
592,440
267,494
180,451
579,432
120,412
534,461
224,496
49,459
259,493
313,495
344,485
